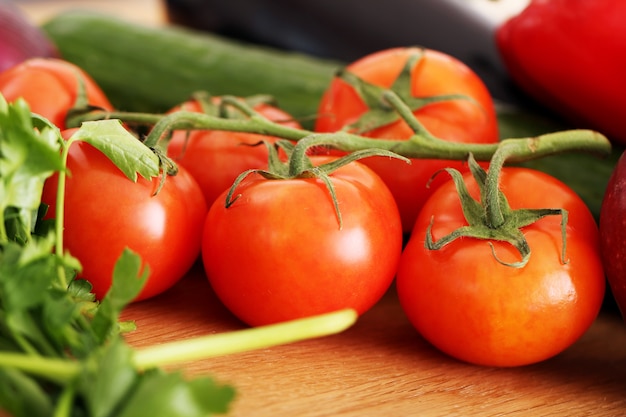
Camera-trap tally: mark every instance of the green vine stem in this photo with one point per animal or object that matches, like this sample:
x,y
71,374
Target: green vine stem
x,y
421,145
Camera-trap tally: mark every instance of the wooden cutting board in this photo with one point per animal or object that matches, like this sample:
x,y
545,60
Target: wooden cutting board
x,y
382,367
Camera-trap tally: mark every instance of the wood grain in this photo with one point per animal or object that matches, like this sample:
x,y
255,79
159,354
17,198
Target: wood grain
x,y
381,367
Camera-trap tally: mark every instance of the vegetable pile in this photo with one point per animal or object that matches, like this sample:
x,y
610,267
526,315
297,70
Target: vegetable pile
x,y
300,227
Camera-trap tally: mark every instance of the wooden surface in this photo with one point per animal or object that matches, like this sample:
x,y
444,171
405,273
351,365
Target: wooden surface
x,y
149,12
382,367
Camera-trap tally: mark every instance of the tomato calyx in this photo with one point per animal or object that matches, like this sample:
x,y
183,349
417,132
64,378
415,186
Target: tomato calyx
x,y
382,113
298,165
492,218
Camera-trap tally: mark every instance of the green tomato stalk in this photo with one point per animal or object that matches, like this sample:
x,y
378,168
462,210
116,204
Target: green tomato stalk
x,y
299,165
491,218
422,145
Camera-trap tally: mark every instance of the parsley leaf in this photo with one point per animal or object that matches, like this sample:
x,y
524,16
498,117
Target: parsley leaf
x,y
27,157
130,155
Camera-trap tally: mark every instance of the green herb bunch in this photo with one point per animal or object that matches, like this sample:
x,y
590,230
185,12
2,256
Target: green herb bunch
x,y
62,352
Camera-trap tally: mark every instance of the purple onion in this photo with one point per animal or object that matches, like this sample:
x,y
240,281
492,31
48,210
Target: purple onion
x,y
20,39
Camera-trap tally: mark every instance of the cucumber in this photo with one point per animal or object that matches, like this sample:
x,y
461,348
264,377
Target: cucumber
x,y
151,69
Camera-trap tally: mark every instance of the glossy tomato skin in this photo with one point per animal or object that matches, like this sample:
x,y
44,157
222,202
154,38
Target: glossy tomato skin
x,y
477,310
215,158
278,253
106,212
50,86
467,121
613,233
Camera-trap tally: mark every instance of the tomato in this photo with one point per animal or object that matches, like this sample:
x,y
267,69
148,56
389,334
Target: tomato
x,y
613,233
277,253
215,158
50,86
478,310
105,212
472,120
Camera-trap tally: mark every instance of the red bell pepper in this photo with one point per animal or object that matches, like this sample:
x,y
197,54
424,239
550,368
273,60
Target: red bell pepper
x,y
570,55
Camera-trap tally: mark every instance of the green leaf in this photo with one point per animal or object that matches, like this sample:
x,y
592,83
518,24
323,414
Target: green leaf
x,y
171,395
22,396
80,291
19,223
59,321
28,156
24,285
110,378
130,155
37,248
128,280
23,148
110,385
38,315
24,282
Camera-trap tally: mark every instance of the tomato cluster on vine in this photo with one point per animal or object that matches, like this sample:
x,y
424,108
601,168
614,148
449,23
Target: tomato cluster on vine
x,y
278,245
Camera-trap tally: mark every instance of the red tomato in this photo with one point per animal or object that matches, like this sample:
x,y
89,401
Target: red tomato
x,y
454,120
478,310
50,87
105,212
277,253
215,158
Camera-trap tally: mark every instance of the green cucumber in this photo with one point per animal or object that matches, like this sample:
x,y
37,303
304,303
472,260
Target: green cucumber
x,y
151,69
